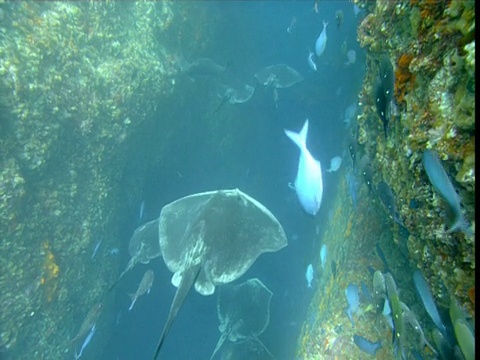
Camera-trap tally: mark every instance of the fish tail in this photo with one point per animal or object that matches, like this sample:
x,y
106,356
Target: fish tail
x,y
300,139
462,225
134,299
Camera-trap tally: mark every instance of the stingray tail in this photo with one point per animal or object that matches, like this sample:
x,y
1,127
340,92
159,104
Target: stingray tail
x,y
130,265
133,297
220,342
186,283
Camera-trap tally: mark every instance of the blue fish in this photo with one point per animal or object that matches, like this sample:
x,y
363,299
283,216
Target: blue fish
x,y
323,255
427,299
308,183
440,181
352,183
95,249
367,345
87,340
309,275
353,300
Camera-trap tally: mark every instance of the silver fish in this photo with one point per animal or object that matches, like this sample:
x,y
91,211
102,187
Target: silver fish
x,y
309,275
426,296
323,256
86,342
97,246
308,183
440,181
321,40
89,321
144,287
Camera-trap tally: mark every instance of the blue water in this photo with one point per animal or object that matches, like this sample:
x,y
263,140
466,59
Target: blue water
x,y
255,36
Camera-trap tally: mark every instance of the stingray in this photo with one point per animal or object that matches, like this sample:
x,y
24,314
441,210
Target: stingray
x,y
235,94
251,349
143,247
213,238
202,67
243,311
279,76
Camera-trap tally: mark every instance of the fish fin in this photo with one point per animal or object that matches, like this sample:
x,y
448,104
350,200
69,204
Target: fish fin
x,y
300,139
134,299
303,133
462,225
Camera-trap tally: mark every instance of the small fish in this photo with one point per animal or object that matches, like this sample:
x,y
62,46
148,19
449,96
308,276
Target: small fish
x,y
310,60
426,296
350,116
382,257
144,287
339,18
86,342
321,40
387,77
95,249
352,187
379,284
335,163
388,199
141,212
356,10
353,300
397,311
351,57
291,27
333,266
381,103
387,310
308,183
323,255
440,181
352,148
367,345
445,349
412,320
383,91
309,275
387,313
89,321
365,167
315,6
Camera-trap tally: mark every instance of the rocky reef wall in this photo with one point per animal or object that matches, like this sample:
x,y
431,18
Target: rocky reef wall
x,y
431,48
80,83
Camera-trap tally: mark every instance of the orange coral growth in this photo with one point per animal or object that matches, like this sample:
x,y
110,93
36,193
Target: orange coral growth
x,y
471,294
404,79
50,271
